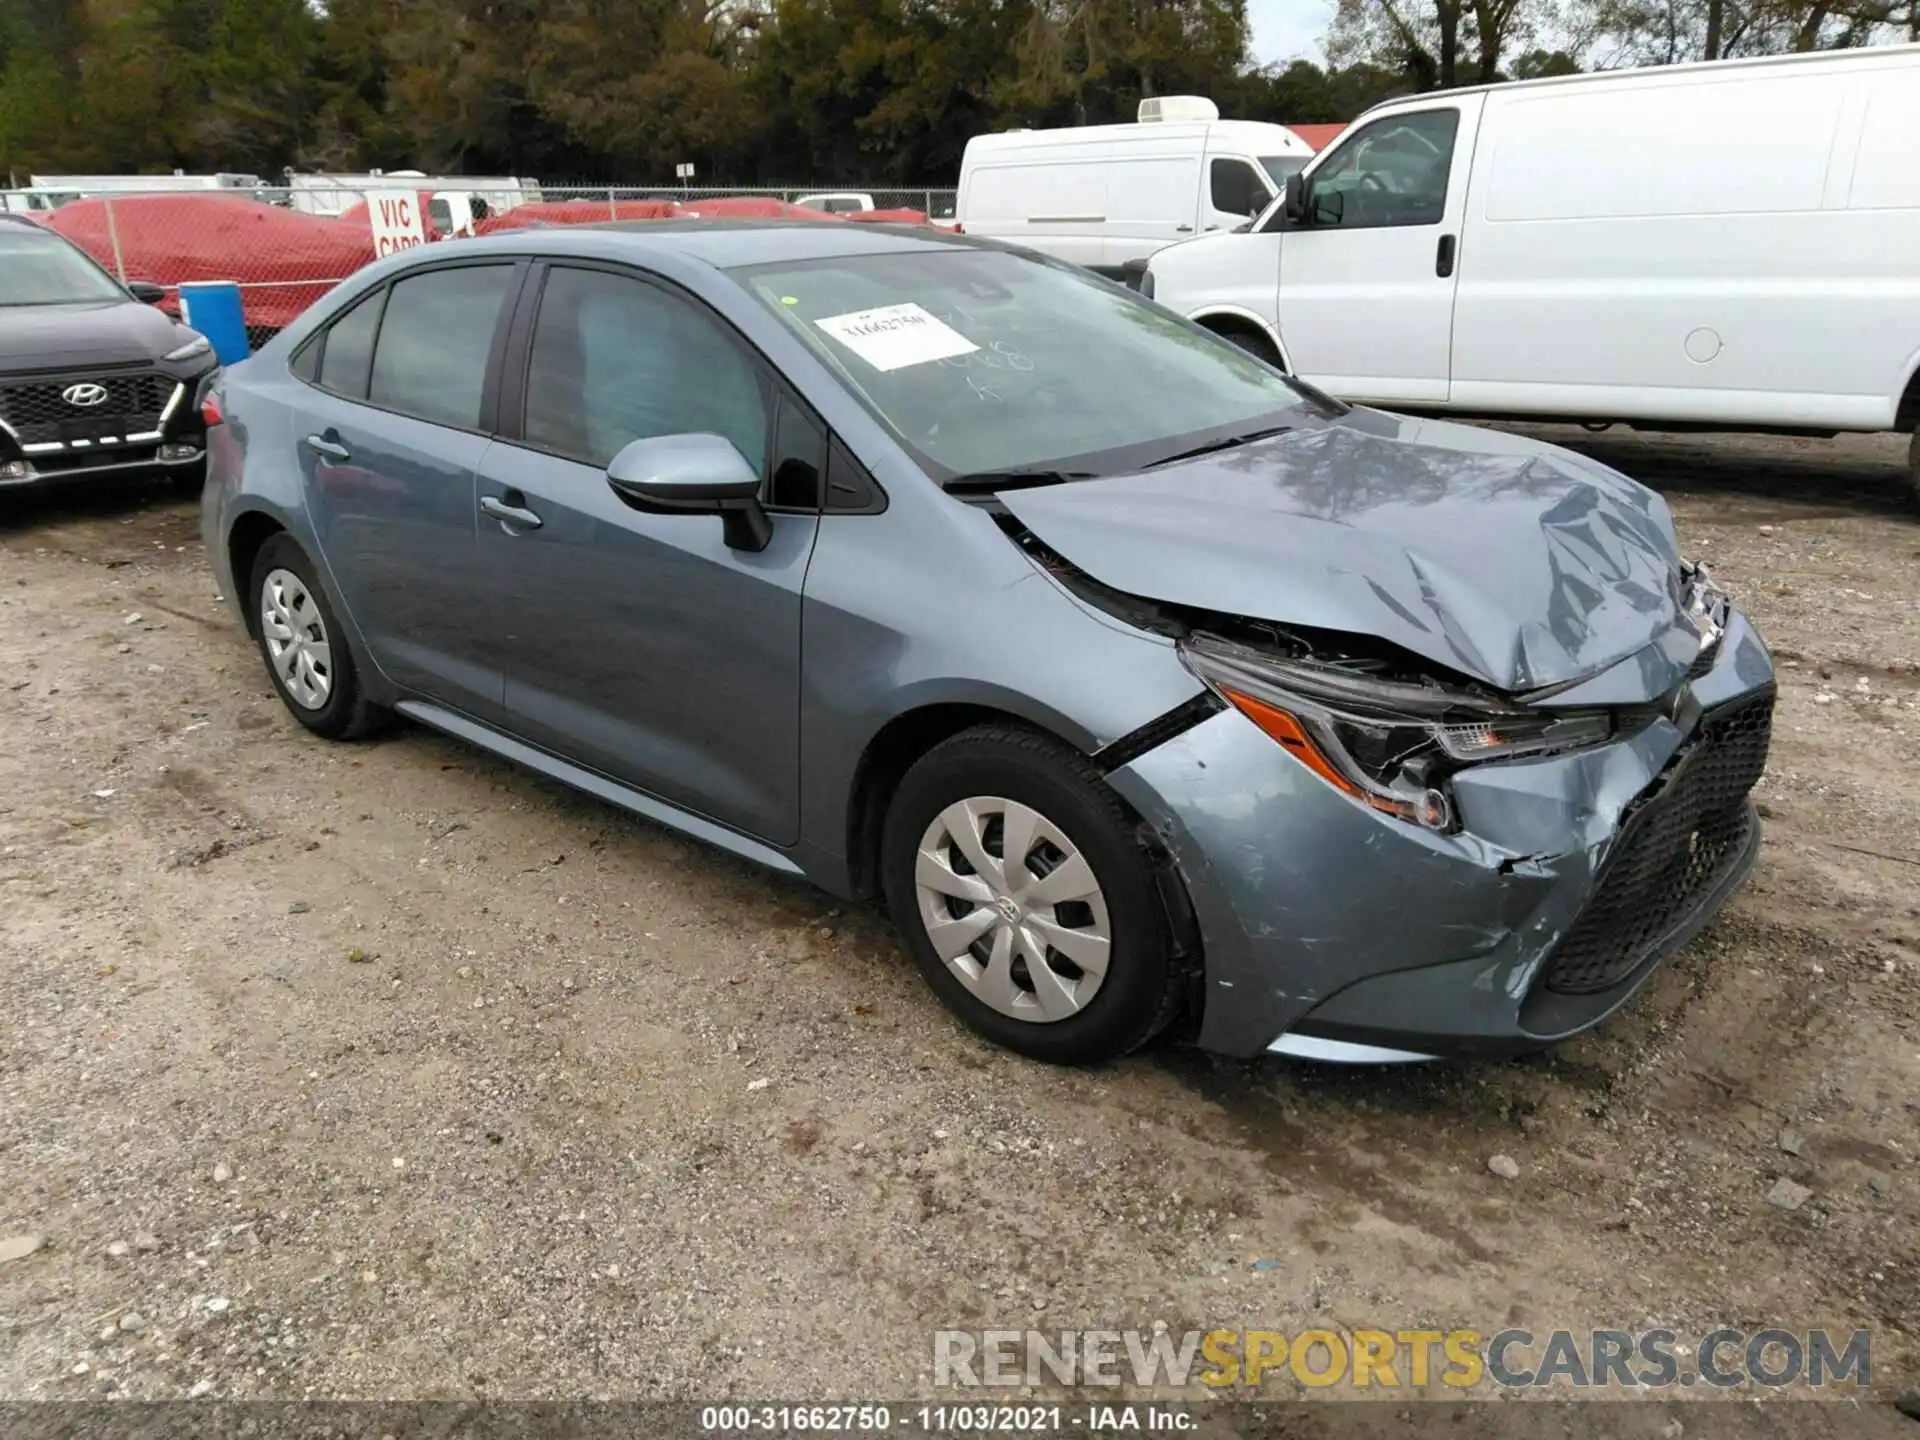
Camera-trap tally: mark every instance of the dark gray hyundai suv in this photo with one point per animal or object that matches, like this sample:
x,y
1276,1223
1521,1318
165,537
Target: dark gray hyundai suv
x,y
94,380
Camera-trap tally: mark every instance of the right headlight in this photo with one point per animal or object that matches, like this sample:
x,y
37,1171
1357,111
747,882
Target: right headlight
x,y
1388,743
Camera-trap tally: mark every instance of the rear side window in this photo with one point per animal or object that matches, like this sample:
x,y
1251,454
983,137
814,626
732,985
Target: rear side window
x,y
347,356
435,340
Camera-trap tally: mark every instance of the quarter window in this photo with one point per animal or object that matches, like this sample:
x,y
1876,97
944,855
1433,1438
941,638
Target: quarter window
x,y
616,360
435,340
347,354
1392,172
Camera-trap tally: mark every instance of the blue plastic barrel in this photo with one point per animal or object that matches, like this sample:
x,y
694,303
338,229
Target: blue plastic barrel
x,y
213,308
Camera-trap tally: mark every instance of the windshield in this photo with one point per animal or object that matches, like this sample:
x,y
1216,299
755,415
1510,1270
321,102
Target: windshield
x,y
41,269
1281,166
984,361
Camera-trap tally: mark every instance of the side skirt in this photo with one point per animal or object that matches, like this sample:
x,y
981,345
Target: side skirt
x,y
594,783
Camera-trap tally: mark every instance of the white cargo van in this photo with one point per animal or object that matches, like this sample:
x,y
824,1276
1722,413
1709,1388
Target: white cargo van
x,y
1101,195
1725,246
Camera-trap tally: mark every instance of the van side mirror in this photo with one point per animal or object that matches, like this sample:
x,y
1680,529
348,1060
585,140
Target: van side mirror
x,y
1294,205
694,474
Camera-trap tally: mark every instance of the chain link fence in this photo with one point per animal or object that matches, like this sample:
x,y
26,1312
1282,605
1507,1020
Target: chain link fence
x,y
286,247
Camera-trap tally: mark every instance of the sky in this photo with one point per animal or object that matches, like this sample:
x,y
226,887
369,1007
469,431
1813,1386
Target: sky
x,y
1288,29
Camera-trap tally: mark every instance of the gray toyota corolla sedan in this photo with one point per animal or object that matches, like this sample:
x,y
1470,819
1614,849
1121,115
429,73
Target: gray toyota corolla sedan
x,y
1151,689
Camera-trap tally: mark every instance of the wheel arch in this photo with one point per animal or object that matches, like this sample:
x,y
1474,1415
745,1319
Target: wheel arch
x,y
1230,319
907,736
889,754
1906,415
250,531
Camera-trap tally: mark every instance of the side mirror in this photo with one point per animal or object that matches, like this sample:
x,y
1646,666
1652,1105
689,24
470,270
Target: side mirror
x,y
694,474
146,292
1294,206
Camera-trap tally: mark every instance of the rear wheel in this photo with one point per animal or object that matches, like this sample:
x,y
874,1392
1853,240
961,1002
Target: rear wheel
x,y
1913,466
1017,880
307,652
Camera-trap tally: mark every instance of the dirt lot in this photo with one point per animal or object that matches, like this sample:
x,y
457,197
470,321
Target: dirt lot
x,y
388,1070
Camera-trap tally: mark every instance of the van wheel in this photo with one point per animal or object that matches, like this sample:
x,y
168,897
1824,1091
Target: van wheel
x,y
1017,879
1913,466
1255,344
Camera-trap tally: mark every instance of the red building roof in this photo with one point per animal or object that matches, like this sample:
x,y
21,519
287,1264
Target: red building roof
x,y
1317,136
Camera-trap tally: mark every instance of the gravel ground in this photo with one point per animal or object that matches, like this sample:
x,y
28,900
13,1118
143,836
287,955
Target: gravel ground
x,y
390,1071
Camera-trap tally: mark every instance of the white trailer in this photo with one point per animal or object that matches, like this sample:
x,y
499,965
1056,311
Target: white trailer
x,y
455,202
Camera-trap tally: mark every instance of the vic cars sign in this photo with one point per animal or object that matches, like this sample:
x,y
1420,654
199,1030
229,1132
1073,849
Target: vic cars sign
x,y
395,215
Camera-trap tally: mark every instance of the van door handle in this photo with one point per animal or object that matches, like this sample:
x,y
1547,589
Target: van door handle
x,y
1443,260
329,449
1183,229
514,517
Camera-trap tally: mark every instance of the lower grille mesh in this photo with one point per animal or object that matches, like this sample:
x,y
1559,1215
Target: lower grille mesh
x,y
1682,838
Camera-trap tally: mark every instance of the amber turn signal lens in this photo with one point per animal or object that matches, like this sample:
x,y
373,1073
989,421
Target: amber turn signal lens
x,y
1292,737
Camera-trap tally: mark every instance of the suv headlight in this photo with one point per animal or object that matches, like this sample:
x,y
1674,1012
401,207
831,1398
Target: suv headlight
x,y
1388,743
194,348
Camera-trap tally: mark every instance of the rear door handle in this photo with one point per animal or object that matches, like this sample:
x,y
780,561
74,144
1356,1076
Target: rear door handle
x,y
516,517
329,449
1183,229
1443,258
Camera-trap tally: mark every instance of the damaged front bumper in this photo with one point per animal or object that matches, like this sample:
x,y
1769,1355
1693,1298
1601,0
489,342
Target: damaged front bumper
x,y
1335,932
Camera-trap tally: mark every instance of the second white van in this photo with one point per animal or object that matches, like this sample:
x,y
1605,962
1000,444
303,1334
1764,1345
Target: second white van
x,y
1724,246
1101,195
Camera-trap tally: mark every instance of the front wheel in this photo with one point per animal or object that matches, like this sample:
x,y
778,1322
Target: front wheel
x,y
1913,466
1017,878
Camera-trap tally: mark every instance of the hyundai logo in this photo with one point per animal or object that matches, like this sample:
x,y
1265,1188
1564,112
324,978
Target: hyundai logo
x,y
85,394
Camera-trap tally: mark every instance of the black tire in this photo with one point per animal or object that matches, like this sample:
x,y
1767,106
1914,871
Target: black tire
x,y
1254,344
1913,467
190,480
1140,994
347,714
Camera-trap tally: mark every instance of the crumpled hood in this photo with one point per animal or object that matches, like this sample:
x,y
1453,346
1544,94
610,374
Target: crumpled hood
x,y
43,337
1506,559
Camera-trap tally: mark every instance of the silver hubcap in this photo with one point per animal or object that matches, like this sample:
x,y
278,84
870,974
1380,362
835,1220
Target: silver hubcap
x,y
1012,907
296,639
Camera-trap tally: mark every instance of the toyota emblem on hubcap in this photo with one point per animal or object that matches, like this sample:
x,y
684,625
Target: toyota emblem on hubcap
x,y
84,394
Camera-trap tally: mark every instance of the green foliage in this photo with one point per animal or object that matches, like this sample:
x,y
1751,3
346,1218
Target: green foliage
x,y
754,90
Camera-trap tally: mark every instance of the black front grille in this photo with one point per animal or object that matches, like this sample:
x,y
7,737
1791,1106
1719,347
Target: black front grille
x,y
1677,843
39,412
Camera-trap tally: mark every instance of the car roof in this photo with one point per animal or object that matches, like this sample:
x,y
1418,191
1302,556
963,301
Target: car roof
x,y
725,243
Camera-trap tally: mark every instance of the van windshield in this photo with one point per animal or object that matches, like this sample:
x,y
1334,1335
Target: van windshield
x,y
986,361
1281,166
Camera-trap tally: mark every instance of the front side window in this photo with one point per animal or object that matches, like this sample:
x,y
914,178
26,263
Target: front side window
x,y
616,360
987,361
435,340
1235,189
1392,172
38,268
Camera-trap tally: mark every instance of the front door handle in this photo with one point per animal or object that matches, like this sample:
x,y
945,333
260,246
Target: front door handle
x,y
1183,229
1443,258
514,517
329,449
